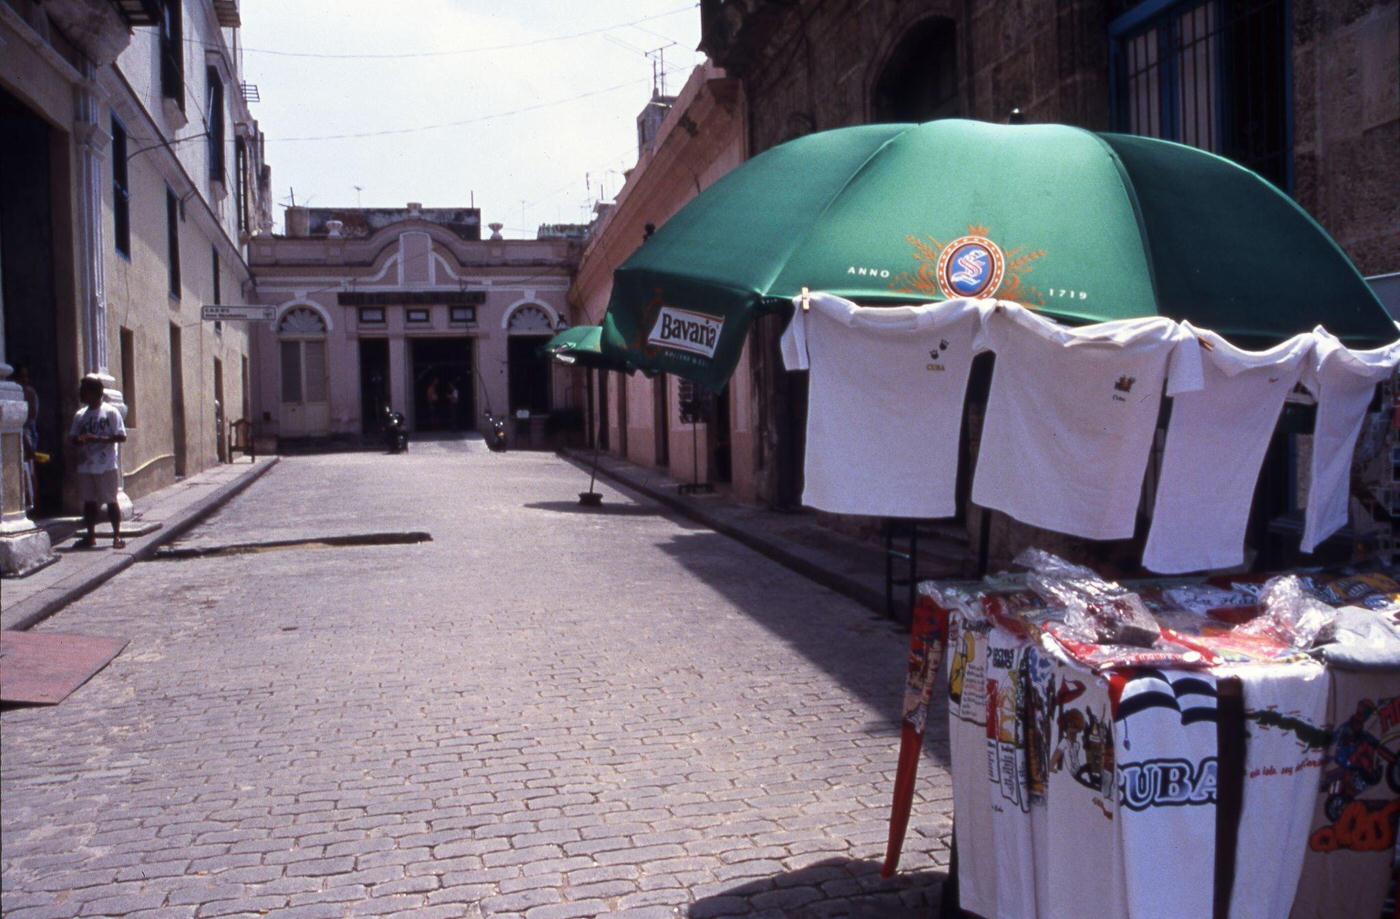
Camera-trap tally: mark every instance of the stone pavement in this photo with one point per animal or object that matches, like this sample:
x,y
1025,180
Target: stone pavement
x,y
546,711
176,508
798,540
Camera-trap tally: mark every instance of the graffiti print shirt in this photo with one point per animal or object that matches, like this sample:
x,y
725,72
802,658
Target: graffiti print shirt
x,y
104,421
886,392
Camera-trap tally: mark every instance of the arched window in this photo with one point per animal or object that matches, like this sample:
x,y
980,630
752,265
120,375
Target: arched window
x,y
530,319
305,408
919,81
529,326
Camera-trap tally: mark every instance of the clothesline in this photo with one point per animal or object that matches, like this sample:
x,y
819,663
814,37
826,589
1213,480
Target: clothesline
x,y
1070,420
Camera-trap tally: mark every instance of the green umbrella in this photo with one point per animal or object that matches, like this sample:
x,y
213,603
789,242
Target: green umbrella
x,y
1081,226
582,346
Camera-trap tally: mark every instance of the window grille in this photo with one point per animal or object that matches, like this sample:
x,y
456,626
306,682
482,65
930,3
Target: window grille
x,y
1214,74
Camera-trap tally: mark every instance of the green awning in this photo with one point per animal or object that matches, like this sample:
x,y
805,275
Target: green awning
x,y
582,345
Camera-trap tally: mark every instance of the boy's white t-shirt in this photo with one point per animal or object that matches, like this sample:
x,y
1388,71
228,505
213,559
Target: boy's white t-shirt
x,y
885,402
1071,416
1216,442
103,421
1344,381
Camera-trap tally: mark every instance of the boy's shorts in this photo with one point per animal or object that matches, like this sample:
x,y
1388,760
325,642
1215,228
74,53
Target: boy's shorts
x,y
99,487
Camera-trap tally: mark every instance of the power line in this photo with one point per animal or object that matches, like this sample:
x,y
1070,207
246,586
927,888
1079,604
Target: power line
x,y
393,56
456,124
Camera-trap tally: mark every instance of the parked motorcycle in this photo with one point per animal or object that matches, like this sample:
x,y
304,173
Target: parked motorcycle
x,y
496,432
395,431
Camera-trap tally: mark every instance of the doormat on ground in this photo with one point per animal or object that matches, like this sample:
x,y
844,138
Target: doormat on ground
x,y
43,668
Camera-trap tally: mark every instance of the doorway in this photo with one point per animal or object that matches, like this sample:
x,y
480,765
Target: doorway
x,y
720,462
443,394
661,392
177,400
220,413
529,374
30,307
374,384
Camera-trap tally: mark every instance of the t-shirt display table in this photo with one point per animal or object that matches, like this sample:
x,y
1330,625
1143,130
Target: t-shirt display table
x,y
1217,773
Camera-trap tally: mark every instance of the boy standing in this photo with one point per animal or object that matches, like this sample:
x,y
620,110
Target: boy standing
x,y
96,431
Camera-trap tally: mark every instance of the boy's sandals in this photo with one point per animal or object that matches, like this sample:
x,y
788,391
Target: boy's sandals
x,y
87,542
119,543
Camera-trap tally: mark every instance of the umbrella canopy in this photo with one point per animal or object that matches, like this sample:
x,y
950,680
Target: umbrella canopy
x,y
582,346
1083,227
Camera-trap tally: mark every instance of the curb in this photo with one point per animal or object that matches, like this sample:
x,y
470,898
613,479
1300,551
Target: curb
x,y
183,521
775,550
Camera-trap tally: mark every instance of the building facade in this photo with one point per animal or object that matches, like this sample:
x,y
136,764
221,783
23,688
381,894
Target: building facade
x,y
131,180
685,143
412,310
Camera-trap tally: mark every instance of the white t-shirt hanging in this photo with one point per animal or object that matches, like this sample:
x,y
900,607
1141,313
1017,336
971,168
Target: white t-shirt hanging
x,y
1216,442
1071,416
884,404
1344,382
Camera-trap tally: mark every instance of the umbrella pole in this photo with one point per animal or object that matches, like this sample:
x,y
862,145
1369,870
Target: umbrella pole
x,y
591,498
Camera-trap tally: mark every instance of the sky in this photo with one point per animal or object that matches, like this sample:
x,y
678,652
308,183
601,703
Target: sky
x,y
528,105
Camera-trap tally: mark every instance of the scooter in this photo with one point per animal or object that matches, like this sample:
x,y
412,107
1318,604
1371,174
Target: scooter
x,y
496,432
395,433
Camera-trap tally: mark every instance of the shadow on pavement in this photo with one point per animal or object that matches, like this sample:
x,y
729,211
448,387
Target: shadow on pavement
x,y
834,887
879,682
602,510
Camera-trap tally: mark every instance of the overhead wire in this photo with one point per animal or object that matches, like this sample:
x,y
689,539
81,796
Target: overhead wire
x,y
405,55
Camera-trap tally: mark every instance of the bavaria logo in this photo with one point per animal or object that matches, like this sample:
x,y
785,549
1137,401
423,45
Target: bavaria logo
x,y
683,330
970,267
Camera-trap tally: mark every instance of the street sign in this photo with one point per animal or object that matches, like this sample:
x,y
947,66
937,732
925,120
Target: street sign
x,y
216,312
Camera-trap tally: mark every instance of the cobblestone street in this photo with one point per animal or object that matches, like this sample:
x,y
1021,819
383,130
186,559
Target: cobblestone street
x,y
544,711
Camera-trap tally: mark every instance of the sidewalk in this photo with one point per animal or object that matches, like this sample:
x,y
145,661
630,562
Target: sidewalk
x,y
177,508
852,567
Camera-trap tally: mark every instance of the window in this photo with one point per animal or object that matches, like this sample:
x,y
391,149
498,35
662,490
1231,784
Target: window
x,y
418,315
463,315
303,356
121,191
1210,73
215,270
215,115
304,371
128,358
371,315
240,169
172,53
919,82
172,241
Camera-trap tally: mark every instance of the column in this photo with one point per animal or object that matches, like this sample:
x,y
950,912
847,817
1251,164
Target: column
x,y
93,144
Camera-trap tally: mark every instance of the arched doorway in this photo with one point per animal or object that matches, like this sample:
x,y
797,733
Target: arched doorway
x,y
306,410
919,81
529,326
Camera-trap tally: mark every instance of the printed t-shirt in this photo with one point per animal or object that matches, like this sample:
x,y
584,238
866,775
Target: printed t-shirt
x,y
1071,416
1285,713
1347,864
1005,771
967,742
1216,442
884,404
1074,811
104,421
1165,752
1343,382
